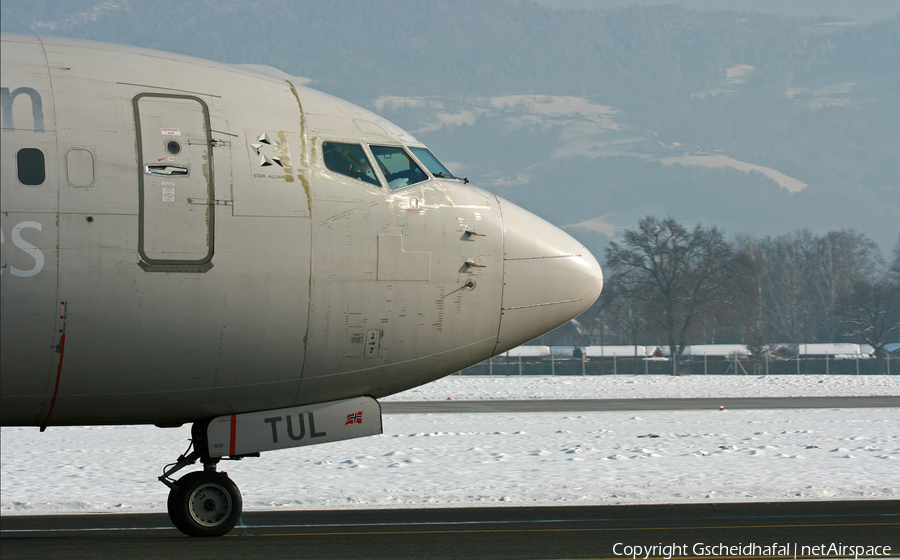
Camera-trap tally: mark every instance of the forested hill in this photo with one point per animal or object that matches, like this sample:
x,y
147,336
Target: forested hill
x,y
403,47
616,113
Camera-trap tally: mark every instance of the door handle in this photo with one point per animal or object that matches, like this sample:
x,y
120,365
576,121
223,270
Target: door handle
x,y
166,170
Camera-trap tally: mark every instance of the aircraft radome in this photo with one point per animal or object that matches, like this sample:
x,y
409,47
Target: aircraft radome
x,y
191,242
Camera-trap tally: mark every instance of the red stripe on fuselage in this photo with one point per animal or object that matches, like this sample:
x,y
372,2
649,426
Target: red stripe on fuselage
x,y
62,350
233,433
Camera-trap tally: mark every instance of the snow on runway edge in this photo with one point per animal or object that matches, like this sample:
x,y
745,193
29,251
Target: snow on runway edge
x,y
505,459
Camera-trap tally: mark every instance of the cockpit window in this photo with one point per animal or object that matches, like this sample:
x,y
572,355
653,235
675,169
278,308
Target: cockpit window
x,y
399,169
349,160
431,163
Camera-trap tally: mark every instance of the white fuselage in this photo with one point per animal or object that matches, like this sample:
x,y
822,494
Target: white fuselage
x,y
189,253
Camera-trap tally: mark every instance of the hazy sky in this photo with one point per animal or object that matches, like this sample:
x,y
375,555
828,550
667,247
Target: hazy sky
x,y
857,10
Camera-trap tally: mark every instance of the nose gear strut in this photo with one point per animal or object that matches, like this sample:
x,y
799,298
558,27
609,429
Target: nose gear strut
x,y
207,503
202,503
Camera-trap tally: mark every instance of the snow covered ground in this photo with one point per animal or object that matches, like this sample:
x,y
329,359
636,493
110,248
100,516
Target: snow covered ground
x,y
652,387
502,458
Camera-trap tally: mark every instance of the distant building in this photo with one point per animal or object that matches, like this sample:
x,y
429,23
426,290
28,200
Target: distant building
x,y
528,351
835,351
717,350
619,351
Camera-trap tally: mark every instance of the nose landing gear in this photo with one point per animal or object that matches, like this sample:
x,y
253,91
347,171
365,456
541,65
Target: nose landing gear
x,y
202,503
205,504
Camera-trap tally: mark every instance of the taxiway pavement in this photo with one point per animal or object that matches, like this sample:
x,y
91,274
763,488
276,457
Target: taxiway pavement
x,y
697,530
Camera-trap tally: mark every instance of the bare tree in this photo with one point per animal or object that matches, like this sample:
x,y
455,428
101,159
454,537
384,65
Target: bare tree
x,y
804,279
870,309
894,269
784,266
674,275
753,337
843,261
682,285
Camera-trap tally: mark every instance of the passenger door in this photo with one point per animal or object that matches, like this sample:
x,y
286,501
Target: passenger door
x,y
177,219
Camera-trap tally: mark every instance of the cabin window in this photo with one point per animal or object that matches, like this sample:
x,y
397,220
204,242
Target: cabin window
x,y
431,163
30,166
399,169
80,167
349,160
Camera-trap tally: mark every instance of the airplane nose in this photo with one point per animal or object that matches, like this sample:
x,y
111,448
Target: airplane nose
x,y
548,277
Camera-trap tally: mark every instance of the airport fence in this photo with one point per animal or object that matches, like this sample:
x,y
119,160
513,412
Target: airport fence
x,y
703,365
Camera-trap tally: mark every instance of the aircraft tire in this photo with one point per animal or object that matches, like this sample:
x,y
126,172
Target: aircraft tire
x,y
172,507
205,504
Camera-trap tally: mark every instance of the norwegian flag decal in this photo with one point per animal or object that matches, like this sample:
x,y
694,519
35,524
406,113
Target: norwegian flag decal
x,y
355,418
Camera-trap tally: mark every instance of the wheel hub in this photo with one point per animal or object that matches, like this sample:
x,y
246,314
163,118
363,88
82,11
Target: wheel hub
x,y
210,504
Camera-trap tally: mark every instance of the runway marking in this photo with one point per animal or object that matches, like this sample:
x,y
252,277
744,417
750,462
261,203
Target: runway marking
x,y
86,529
575,520
575,530
719,557
244,527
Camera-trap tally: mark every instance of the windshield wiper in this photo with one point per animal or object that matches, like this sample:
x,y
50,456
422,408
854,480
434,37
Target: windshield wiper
x,y
440,175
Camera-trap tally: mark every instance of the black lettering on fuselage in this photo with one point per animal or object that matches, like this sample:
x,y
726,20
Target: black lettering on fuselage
x,y
274,421
290,427
312,427
37,107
